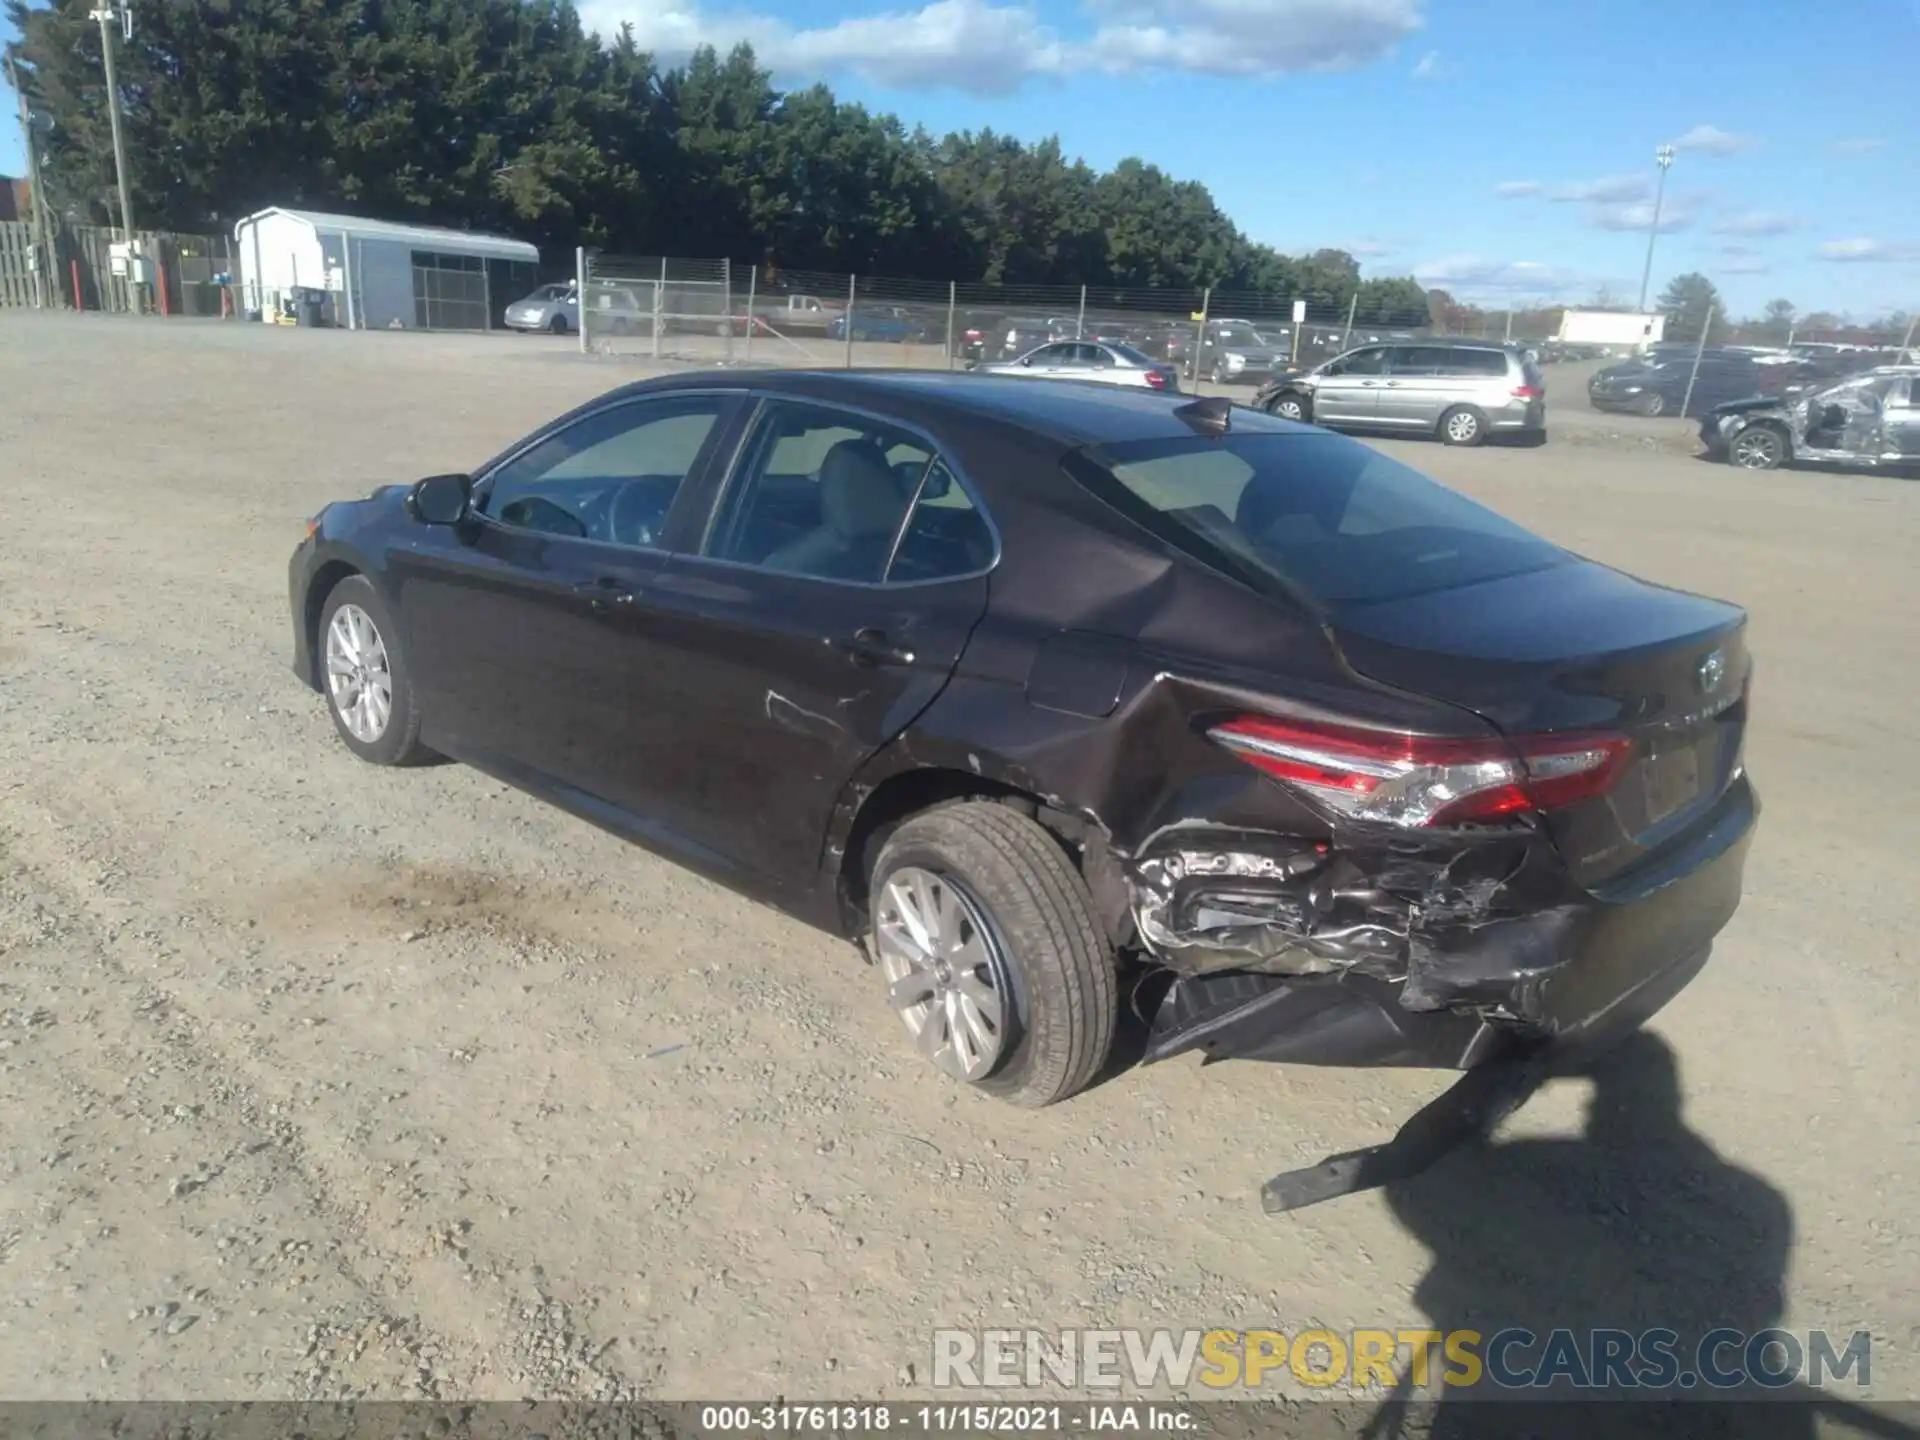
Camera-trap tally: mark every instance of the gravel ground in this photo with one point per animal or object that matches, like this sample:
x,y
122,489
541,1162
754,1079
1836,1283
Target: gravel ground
x,y
322,1080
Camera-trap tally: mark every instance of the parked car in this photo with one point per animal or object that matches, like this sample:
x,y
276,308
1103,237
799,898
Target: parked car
x,y
1018,335
1086,360
1236,353
1370,774
890,323
553,308
1869,421
1663,386
616,310
1461,390
977,334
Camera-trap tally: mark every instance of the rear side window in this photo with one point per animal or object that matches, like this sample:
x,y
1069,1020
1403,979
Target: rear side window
x,y
1321,515
1477,362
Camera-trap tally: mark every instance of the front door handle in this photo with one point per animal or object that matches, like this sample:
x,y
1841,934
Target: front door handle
x,y
871,646
605,596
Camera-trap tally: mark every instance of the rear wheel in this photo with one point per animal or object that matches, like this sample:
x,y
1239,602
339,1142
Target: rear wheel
x,y
1652,404
1288,406
993,959
1463,425
369,691
1759,447
558,325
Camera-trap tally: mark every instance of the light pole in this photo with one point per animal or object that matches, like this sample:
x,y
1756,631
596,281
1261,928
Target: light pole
x,y
1663,157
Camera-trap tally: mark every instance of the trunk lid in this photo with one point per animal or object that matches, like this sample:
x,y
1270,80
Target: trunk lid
x,y
1581,647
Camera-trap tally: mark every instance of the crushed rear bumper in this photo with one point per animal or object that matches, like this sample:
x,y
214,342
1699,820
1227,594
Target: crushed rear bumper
x,y
1570,976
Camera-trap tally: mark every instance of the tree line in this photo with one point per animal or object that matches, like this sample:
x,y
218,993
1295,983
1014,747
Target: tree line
x,y
508,115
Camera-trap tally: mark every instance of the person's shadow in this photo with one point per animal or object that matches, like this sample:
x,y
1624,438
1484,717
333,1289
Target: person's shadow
x,y
1637,1224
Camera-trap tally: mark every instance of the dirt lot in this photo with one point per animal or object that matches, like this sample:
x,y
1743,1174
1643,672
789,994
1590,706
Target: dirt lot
x,y
323,1080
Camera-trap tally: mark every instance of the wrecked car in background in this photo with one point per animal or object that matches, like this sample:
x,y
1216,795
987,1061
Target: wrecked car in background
x,y
1050,695
1869,421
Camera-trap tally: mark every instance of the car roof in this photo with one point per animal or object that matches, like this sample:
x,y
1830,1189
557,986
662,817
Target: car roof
x,y
1068,411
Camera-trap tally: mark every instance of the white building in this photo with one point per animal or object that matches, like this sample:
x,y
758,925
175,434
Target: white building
x,y
379,275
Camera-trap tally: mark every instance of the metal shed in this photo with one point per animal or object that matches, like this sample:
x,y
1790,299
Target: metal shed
x,y
380,275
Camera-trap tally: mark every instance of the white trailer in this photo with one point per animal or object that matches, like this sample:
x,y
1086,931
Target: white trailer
x,y
1619,329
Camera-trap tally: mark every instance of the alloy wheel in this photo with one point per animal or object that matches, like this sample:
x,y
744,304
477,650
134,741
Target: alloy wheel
x,y
1757,450
946,976
1462,426
1289,409
359,674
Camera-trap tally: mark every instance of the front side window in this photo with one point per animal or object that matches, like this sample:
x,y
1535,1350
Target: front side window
x,y
1316,513
611,476
1360,362
827,494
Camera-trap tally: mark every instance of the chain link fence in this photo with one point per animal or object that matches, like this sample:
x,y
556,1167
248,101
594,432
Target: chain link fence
x,y
714,312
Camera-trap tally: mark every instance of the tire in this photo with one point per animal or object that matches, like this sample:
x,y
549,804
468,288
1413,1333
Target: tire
x,y
558,325
1652,405
1759,447
1289,406
1463,425
396,741
1048,962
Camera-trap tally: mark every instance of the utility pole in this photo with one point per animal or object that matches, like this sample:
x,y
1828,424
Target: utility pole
x,y
124,15
1663,157
37,198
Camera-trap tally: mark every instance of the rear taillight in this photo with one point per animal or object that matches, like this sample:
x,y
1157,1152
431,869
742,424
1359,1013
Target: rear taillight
x,y
1155,380
1529,392
1418,780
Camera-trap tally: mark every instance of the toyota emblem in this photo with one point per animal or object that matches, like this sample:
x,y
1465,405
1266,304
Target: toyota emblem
x,y
1713,669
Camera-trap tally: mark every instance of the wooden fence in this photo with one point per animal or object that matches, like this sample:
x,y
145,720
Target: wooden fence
x,y
79,273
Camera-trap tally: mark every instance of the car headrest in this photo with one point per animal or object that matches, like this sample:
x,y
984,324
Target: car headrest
x,y
859,496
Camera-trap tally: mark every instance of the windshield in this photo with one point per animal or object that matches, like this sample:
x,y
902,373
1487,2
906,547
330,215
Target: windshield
x,y
1322,515
1240,335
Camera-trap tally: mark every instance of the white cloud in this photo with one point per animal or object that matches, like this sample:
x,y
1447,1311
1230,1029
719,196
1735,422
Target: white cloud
x,y
1712,140
1638,215
1246,37
1858,147
1472,275
1429,66
1519,189
992,48
1758,222
1610,190
973,45
1863,251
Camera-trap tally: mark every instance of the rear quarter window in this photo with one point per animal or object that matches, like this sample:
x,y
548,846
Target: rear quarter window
x,y
1315,515
1478,362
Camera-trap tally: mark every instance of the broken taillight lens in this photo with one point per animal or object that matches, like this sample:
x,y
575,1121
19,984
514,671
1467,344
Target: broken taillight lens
x,y
1419,780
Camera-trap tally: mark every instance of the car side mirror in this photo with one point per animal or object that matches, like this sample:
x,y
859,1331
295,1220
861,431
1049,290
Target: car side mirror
x,y
441,499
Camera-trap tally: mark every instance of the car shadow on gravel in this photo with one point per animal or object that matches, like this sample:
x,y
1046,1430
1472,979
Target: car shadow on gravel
x,y
1636,1224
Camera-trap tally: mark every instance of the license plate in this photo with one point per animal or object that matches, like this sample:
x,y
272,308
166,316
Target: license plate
x,y
1671,780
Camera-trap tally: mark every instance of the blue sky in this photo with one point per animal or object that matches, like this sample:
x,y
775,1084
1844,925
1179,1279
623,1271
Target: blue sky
x,y
1501,148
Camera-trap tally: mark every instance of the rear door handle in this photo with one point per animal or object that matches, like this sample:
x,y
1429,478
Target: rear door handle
x,y
871,646
606,595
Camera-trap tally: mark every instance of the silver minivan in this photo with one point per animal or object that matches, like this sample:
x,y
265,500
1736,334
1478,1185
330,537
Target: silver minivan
x,y
1460,390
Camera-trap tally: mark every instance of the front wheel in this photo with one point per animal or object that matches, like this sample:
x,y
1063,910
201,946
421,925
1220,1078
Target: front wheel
x,y
1652,405
993,958
1760,447
369,690
558,325
1463,426
1288,407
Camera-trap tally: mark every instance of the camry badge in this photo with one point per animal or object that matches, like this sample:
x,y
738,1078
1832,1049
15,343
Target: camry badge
x,y
1713,669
